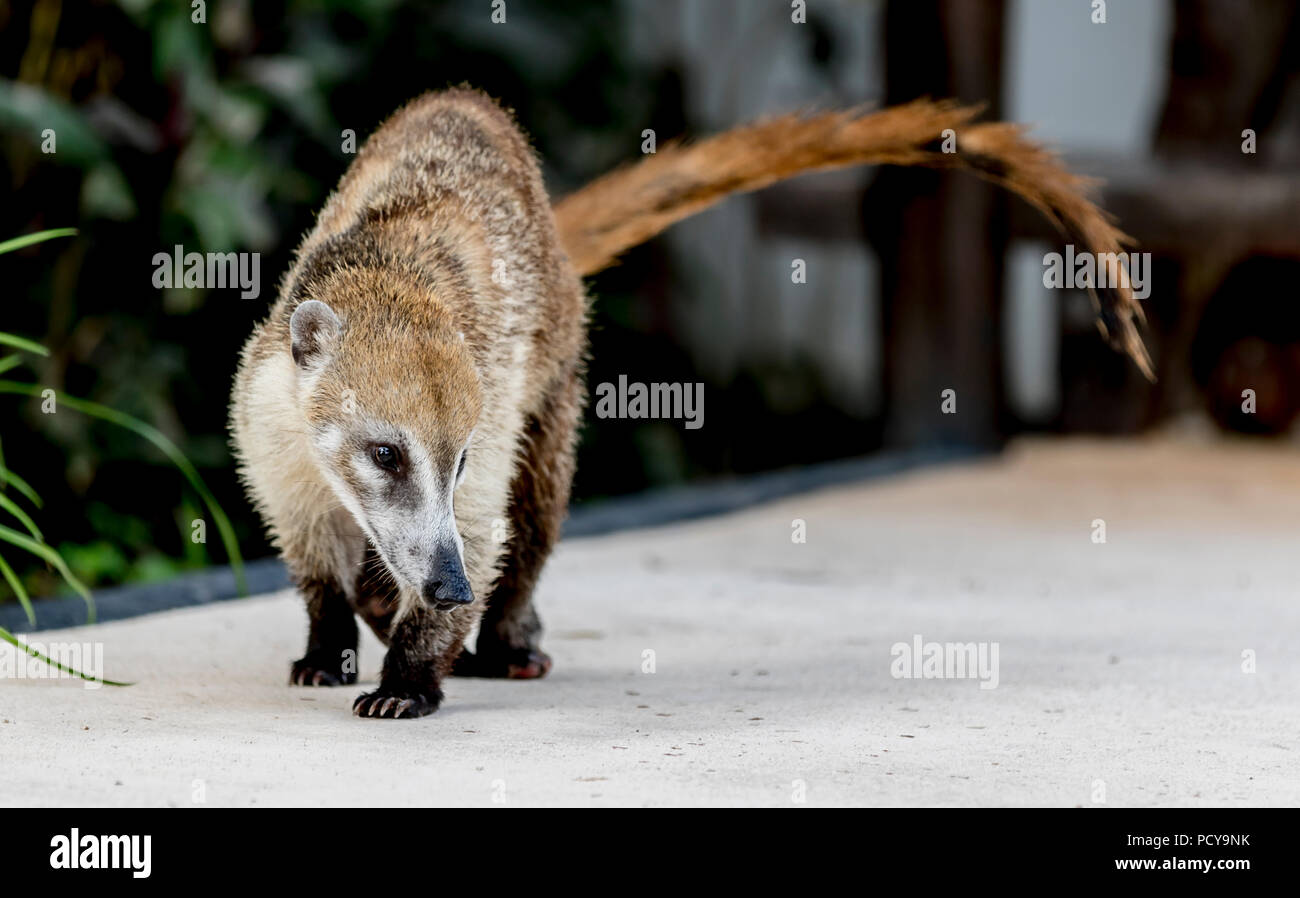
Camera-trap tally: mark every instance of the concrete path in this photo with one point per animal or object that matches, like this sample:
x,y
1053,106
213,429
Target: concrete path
x,y
1119,676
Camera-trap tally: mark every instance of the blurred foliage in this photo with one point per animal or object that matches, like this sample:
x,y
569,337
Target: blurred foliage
x,y
33,540
226,136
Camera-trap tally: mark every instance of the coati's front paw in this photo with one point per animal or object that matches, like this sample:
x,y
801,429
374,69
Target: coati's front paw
x,y
506,663
318,669
396,703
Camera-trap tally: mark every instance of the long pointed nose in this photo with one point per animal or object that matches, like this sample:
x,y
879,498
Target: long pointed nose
x,y
447,587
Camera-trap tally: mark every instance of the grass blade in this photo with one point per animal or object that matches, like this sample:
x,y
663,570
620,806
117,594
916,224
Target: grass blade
x,y
28,650
10,535
22,343
23,518
19,590
21,485
8,246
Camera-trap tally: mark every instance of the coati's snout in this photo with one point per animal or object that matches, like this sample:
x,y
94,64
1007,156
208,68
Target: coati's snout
x,y
447,587
391,427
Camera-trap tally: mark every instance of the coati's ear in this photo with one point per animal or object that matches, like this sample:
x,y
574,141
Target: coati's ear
x,y
313,330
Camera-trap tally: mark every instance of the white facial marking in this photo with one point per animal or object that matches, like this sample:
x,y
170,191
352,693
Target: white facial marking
x,y
328,439
409,534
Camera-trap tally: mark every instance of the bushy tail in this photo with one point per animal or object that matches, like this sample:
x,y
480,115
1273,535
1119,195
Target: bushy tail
x,y
631,204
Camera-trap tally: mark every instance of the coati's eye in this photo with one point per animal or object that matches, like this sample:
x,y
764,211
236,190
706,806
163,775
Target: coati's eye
x,y
460,469
387,457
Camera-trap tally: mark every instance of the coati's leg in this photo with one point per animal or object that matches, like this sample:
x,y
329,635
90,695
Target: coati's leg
x,y
331,658
510,632
409,684
422,646
376,596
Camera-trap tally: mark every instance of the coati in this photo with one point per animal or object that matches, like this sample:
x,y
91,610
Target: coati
x,y
404,419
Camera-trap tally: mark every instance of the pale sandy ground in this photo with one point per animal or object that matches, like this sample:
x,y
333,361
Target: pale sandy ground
x,y
1119,663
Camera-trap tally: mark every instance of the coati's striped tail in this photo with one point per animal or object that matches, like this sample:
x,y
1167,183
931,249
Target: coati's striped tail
x,y
631,204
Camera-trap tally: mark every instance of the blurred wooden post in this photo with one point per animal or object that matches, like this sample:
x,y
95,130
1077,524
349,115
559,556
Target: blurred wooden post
x,y
941,237
1237,63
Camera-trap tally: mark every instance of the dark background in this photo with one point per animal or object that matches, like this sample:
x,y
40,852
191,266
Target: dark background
x,y
225,136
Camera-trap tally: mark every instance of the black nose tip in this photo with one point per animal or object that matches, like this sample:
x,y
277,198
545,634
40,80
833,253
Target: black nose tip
x,y
444,595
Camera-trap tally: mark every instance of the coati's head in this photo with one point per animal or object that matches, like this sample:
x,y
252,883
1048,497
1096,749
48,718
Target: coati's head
x,y
391,398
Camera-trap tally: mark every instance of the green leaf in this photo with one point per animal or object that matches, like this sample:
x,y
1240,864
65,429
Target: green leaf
x,y
10,361
159,439
180,49
14,243
105,194
29,110
21,485
19,590
10,535
28,650
23,343
8,505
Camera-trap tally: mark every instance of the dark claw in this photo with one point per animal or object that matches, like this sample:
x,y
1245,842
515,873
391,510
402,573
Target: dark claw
x,y
311,671
389,706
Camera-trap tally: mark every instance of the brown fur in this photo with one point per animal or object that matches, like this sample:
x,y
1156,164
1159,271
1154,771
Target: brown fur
x,y
631,205
458,310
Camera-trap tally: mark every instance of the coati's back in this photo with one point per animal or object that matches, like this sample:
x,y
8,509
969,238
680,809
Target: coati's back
x,y
449,190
